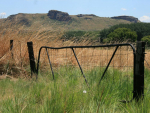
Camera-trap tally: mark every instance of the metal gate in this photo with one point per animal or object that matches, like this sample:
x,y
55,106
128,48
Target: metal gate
x,y
106,58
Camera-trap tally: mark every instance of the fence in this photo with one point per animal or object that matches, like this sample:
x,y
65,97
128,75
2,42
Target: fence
x,y
106,60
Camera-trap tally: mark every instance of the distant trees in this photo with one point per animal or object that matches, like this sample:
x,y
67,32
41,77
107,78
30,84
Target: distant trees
x,y
117,33
69,35
147,40
121,34
80,35
141,29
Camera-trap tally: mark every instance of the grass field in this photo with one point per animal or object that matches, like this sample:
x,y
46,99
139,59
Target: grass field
x,y
68,92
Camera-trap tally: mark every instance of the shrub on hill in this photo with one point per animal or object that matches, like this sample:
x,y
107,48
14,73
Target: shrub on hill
x,y
121,34
142,29
147,40
79,35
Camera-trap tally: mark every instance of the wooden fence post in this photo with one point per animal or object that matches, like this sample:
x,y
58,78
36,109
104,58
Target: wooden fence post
x,y
139,71
31,57
11,47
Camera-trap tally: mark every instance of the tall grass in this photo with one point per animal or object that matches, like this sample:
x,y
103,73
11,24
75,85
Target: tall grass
x,y
69,93
21,36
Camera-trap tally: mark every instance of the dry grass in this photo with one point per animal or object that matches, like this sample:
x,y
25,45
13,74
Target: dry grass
x,y
20,58
88,57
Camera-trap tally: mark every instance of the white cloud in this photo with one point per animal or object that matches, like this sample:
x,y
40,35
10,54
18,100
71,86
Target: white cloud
x,y
145,19
124,9
2,15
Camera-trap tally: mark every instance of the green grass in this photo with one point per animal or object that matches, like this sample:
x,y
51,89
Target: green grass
x,y
66,93
81,35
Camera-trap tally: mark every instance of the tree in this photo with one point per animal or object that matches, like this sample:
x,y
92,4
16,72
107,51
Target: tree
x,y
142,29
122,34
147,40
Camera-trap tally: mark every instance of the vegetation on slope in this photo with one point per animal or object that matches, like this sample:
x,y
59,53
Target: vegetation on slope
x,y
121,35
81,35
147,40
85,23
142,29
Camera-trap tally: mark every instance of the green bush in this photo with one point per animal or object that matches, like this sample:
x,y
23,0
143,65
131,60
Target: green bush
x,y
147,40
122,34
142,29
71,34
80,35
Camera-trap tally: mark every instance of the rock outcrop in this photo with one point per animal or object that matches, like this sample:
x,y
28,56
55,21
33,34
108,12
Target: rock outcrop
x,y
58,15
19,18
128,18
82,15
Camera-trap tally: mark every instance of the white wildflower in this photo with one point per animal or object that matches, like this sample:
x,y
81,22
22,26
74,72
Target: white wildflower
x,y
84,91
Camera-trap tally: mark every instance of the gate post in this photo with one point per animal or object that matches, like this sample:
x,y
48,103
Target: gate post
x,y
139,71
31,57
11,47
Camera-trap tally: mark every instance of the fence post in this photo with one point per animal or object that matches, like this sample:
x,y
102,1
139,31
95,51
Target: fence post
x,y
31,57
139,71
11,47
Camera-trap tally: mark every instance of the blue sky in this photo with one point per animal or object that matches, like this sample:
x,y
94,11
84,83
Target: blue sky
x,y
103,8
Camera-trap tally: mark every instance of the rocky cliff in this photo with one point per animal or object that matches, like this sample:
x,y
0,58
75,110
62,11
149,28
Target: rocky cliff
x,y
19,19
128,18
82,15
58,15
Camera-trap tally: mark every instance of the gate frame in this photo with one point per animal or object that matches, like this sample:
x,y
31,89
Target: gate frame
x,y
138,56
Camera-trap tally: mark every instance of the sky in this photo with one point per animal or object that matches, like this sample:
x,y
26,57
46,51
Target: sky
x,y
102,8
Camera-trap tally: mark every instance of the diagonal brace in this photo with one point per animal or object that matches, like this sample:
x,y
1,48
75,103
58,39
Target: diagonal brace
x,y
80,66
50,63
108,65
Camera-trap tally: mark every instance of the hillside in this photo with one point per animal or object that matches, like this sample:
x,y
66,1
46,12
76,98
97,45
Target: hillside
x,y
75,22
